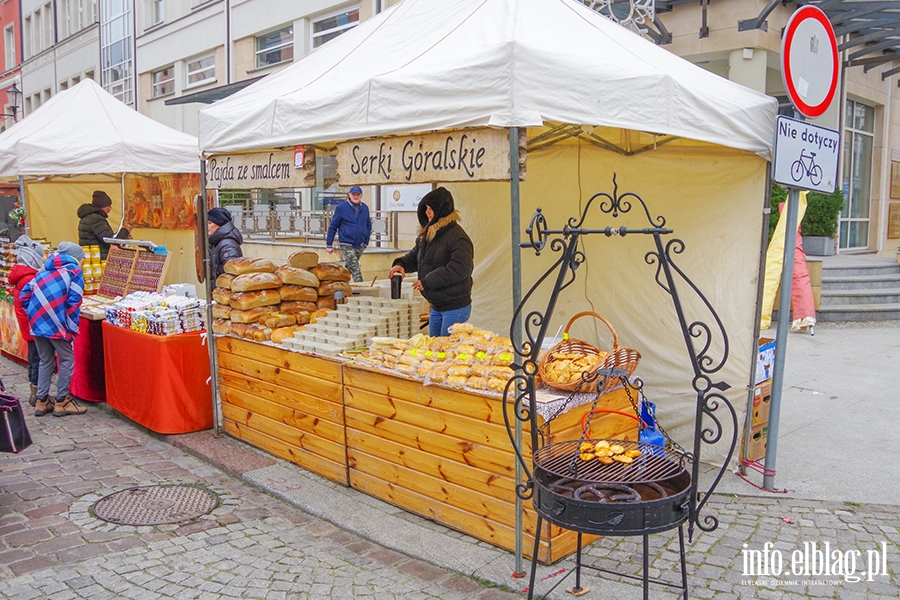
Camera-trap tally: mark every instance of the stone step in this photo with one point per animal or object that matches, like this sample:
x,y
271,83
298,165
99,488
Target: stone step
x,y
859,312
861,296
859,282
873,269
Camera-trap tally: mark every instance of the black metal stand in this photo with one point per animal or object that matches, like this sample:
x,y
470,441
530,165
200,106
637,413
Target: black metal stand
x,y
698,337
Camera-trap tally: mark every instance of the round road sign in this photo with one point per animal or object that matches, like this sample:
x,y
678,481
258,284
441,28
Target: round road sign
x,y
809,61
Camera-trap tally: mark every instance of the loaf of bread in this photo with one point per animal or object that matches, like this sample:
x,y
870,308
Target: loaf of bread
x,y
277,320
328,288
330,272
298,293
245,300
251,315
240,266
304,259
326,302
291,308
221,311
258,333
221,326
240,329
294,276
282,333
302,317
319,313
224,280
252,282
221,295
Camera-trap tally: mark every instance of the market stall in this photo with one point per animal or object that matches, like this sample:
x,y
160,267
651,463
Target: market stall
x,y
81,140
536,105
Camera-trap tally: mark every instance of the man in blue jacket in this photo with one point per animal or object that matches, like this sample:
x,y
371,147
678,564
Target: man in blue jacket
x,y
353,226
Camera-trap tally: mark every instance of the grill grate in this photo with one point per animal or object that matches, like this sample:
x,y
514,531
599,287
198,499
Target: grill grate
x,y
654,463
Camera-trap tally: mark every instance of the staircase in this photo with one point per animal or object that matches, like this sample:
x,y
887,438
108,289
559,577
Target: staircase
x,y
859,288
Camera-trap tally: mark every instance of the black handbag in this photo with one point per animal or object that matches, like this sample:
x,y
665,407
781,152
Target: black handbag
x,y
14,436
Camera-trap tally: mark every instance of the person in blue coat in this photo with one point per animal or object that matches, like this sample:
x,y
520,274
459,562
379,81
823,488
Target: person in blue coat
x,y
353,226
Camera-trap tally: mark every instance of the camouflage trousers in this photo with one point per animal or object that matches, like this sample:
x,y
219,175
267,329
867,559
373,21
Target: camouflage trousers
x,y
351,255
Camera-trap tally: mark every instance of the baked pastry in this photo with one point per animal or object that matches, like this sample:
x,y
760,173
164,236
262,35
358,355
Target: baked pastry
x,y
282,333
251,315
477,383
457,380
330,272
406,369
480,370
295,276
221,295
461,328
221,311
224,280
255,281
293,307
239,266
459,371
325,302
246,300
496,385
259,333
328,288
298,293
239,329
221,326
319,313
277,320
304,259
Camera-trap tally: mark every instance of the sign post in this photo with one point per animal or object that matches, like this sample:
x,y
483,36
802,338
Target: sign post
x,y
806,157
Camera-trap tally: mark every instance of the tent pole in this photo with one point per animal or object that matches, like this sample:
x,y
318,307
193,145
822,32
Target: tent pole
x,y
22,203
517,326
208,284
781,337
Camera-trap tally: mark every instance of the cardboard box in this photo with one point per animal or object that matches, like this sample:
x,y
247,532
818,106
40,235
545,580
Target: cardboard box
x,y
765,359
759,436
762,402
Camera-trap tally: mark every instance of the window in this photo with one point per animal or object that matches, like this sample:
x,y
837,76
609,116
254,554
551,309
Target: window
x,y
201,70
163,81
157,11
859,141
29,40
48,25
328,28
116,49
37,23
275,47
9,47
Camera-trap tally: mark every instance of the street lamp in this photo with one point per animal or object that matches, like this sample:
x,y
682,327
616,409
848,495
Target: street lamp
x,y
14,95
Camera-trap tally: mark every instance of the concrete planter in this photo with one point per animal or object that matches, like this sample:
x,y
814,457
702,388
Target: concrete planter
x,y
816,245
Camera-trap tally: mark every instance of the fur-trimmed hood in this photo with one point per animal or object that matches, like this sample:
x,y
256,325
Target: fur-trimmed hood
x,y
432,229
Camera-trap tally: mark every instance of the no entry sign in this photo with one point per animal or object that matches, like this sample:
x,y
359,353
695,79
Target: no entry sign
x,y
809,61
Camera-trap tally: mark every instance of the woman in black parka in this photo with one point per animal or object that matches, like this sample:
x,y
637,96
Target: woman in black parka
x,y
444,259
224,240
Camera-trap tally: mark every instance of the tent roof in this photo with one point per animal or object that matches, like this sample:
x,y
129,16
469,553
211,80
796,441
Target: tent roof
x,y
425,65
85,130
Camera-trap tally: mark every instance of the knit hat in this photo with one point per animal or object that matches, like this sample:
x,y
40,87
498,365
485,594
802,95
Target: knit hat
x,y
219,216
73,250
440,201
101,199
29,252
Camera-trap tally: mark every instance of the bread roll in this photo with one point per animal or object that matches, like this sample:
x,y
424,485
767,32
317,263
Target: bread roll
x,y
245,300
317,314
221,295
255,281
277,320
259,333
326,302
303,259
249,316
302,317
239,329
240,266
330,272
328,288
224,280
457,380
282,333
294,276
477,383
298,293
221,327
291,308
221,311
497,385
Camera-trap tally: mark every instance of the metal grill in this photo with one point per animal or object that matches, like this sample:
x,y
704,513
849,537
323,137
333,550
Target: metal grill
x,y
654,463
155,505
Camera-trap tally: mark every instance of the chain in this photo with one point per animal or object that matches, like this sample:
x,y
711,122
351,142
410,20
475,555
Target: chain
x,y
671,443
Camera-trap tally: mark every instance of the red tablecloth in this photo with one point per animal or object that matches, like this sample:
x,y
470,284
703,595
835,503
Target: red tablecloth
x,y
88,380
158,381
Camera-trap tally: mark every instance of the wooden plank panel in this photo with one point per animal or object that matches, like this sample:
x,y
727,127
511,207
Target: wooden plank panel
x,y
501,488
479,456
322,428
305,441
321,368
320,388
323,409
330,470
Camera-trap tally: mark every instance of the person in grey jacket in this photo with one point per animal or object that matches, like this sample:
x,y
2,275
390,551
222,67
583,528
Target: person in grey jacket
x,y
224,240
93,224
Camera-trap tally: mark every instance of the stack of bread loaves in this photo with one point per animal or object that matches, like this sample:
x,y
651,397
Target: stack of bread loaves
x,y
258,300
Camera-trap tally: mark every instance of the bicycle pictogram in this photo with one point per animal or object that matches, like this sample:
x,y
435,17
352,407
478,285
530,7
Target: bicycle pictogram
x,y
806,165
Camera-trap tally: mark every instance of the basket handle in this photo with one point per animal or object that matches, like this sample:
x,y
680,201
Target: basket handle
x,y
593,314
641,423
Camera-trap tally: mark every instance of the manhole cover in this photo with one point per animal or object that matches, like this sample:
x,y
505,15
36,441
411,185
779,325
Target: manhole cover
x,y
155,505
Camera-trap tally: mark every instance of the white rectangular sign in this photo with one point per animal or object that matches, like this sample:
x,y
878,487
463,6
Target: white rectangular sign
x,y
806,156
403,198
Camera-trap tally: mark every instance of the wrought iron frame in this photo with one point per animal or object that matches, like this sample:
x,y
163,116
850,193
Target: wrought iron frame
x,y
698,337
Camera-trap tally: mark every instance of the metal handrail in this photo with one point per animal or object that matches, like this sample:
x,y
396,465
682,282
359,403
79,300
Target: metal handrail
x,y
285,222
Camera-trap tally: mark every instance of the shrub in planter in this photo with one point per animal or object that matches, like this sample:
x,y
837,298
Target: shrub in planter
x,y
822,211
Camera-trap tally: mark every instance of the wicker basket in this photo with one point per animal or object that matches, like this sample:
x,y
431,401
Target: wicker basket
x,y
619,357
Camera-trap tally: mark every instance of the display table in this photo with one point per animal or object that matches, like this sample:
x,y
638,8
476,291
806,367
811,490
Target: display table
x,y
89,378
12,345
159,382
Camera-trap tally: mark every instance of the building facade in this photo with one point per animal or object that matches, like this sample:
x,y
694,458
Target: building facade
x,y
11,45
